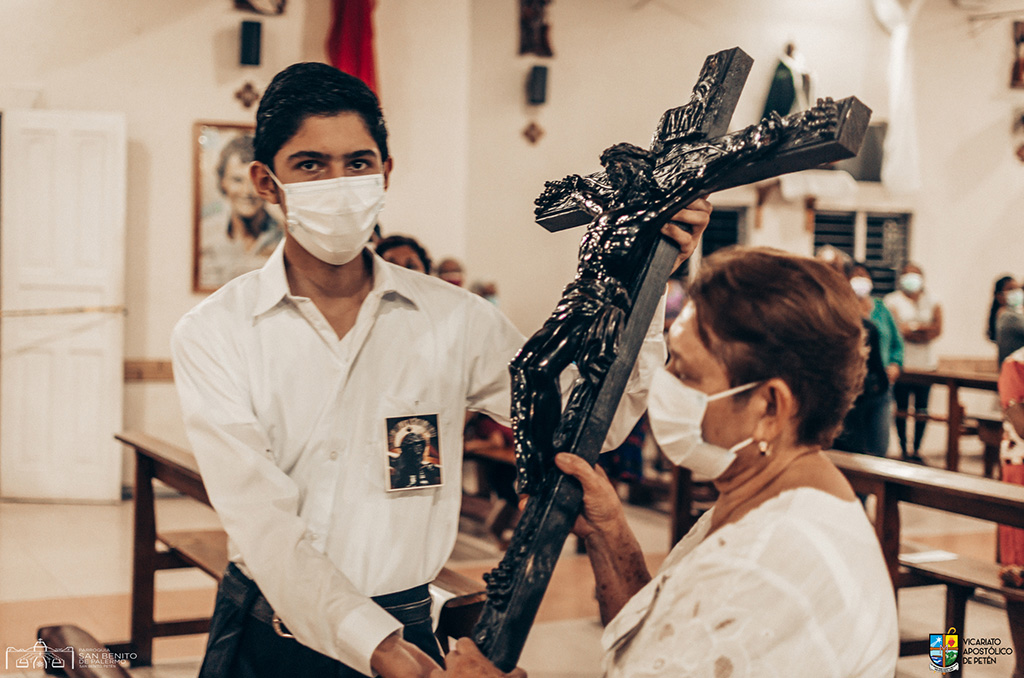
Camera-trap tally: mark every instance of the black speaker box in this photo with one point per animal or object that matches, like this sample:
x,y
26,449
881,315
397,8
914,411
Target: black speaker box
x,y
537,85
249,55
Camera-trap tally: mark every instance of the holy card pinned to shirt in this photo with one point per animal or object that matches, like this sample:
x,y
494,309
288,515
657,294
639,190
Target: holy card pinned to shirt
x,y
414,452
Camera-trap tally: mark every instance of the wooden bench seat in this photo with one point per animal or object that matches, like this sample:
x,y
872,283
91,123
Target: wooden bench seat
x,y
961,576
894,482
963,572
204,549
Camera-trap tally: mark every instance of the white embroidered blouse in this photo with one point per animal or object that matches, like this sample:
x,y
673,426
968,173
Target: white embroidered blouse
x,y
796,588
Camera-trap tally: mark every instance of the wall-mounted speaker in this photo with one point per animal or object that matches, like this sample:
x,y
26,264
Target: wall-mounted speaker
x,y
537,85
249,54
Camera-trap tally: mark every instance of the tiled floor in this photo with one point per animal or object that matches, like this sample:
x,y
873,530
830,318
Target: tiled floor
x,y
70,564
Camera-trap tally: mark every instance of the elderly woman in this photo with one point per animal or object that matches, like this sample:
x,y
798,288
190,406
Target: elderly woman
x,y
784,575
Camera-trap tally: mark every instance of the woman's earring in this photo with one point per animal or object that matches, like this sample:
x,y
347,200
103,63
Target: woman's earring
x,y
764,448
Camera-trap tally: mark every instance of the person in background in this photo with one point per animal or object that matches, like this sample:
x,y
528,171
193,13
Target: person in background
x,y
675,299
1006,319
1011,539
834,257
405,252
998,301
450,270
919,319
483,434
876,413
488,289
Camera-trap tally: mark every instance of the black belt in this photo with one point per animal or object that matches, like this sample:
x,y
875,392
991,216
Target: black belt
x,y
410,606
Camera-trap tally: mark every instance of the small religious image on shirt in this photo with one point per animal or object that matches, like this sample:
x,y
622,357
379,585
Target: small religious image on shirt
x,y
414,453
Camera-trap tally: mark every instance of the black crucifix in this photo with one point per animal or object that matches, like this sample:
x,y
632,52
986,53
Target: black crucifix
x,y
603,316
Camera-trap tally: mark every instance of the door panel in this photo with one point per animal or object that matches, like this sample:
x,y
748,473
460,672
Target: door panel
x,y
62,177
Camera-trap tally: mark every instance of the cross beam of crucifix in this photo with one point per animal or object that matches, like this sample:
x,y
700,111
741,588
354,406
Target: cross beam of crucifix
x,y
603,316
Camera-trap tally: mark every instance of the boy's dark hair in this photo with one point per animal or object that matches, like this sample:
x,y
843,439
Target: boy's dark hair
x,y
306,89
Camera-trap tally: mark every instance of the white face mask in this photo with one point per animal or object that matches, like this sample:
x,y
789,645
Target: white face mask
x,y
676,412
333,218
1015,298
861,286
911,283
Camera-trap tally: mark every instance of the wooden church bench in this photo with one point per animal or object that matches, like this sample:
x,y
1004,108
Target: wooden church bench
x,y
892,482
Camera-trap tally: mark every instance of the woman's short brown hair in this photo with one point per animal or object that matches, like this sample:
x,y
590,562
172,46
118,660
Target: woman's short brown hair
x,y
766,313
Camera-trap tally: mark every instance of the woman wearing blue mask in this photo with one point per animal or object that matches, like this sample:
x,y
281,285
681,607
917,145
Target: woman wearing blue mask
x,y
785,570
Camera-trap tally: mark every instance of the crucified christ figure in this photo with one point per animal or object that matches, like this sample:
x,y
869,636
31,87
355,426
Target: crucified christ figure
x,y
585,325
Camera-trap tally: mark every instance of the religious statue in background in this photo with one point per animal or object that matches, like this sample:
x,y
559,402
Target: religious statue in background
x,y
791,84
533,28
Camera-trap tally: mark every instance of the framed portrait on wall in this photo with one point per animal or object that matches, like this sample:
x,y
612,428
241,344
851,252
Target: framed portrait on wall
x,y
235,230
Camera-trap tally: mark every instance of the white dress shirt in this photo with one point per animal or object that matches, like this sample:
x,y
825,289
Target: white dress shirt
x,y
288,425
906,311
797,588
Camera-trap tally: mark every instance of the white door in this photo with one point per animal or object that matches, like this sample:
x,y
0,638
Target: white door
x,y
62,213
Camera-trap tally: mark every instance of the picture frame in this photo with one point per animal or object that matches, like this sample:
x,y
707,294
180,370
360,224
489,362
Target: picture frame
x,y
266,7
234,230
1017,71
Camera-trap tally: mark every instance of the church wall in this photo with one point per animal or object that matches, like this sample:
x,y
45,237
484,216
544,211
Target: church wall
x,y
968,224
168,64
453,89
617,66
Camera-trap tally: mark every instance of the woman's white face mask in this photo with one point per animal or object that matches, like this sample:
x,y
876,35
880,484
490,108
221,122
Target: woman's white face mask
x,y
676,414
333,219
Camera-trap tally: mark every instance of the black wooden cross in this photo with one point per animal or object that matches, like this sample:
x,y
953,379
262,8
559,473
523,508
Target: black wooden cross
x,y
604,314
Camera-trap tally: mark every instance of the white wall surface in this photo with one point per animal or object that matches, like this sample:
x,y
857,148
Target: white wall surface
x,y
452,86
967,228
618,65
169,64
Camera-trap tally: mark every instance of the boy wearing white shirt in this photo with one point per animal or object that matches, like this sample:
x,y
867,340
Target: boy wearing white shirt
x,y
299,382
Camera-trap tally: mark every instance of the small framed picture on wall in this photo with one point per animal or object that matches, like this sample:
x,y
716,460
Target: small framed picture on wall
x,y
1017,73
235,230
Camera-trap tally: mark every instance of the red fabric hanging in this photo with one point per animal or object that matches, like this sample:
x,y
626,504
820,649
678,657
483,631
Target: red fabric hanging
x,y
350,42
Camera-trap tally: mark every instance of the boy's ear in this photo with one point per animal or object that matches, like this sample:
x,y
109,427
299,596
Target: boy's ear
x,y
264,184
388,165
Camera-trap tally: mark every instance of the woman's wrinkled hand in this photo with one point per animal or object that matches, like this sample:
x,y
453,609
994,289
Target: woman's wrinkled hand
x,y
602,509
466,661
